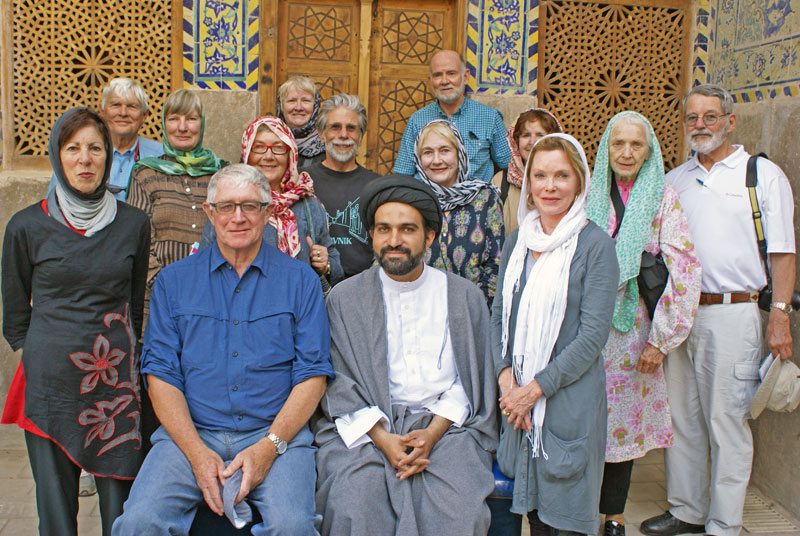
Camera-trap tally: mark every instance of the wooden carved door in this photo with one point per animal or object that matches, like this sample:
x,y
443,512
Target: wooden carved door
x,y
376,49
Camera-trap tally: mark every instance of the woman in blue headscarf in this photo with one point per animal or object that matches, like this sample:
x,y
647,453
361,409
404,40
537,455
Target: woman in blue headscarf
x,y
629,175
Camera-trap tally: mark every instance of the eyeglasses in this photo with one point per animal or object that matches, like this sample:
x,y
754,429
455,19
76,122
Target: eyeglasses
x,y
248,207
709,119
276,149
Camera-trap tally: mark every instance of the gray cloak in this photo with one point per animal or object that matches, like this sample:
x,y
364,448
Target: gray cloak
x,y
565,488
357,490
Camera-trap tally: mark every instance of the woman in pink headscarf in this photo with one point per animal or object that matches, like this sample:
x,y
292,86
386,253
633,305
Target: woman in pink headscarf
x,y
530,125
298,225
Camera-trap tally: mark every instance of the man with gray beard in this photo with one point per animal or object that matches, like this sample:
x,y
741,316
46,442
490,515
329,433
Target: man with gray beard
x,y
481,126
712,376
339,179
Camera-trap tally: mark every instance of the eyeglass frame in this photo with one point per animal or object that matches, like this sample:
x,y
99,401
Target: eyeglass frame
x,y
261,206
703,117
270,148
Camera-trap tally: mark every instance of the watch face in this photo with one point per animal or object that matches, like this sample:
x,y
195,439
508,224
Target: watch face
x,y
281,446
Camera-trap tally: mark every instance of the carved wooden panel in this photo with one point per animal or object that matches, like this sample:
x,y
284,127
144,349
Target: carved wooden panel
x,y
66,51
319,39
399,99
405,34
600,59
411,37
321,32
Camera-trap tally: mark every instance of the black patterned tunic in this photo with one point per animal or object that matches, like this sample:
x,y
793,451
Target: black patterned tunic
x,y
74,304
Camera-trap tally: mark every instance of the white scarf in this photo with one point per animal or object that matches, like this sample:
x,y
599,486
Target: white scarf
x,y
544,298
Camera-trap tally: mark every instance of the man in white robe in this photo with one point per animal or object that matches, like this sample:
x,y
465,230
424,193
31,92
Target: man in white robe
x,y
405,445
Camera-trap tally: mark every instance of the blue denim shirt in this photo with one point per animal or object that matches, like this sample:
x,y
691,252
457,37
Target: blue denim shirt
x,y
236,346
481,127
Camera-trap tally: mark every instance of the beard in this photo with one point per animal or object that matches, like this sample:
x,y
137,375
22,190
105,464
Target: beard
x,y
399,267
705,147
453,97
341,155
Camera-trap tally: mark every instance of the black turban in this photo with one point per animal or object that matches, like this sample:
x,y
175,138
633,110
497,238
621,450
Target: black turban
x,y
400,189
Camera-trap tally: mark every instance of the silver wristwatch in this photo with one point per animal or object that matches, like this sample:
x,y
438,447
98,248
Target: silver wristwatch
x,y
785,307
280,444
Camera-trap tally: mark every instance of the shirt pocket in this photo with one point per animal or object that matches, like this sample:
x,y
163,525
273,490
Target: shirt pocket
x,y
269,339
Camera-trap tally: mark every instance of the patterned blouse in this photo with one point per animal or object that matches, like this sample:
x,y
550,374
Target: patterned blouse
x,y
471,242
174,204
638,409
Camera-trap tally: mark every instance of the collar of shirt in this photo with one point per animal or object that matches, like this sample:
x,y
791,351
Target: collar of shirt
x,y
403,286
217,261
461,109
730,161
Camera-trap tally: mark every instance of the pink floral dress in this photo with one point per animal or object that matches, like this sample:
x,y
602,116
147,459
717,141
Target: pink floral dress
x,y
638,409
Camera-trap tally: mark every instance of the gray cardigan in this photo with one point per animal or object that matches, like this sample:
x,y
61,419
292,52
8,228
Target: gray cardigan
x,y
565,487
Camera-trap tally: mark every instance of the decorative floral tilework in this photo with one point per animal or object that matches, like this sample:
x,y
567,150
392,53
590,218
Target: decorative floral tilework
x,y
220,44
752,47
502,46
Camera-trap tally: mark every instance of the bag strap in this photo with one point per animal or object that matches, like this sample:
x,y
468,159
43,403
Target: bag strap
x,y
751,180
619,206
504,185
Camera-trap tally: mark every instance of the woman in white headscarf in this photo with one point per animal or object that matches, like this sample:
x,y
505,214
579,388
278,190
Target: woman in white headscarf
x,y
550,319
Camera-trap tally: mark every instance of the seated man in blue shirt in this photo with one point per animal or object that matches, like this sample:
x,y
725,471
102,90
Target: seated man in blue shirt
x,y
236,359
481,126
124,108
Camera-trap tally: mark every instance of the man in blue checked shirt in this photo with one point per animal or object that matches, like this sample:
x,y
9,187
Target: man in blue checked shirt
x,y
481,126
236,358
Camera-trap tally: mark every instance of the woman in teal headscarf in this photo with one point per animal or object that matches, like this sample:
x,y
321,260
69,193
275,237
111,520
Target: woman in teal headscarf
x,y
171,188
629,167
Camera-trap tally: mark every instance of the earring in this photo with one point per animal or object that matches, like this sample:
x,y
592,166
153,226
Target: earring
x,y
529,200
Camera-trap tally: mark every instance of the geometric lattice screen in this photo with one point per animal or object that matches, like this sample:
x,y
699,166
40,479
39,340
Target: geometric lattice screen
x,y
66,51
601,59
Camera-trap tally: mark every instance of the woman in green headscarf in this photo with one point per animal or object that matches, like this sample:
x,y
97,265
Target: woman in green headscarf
x,y
629,168
171,188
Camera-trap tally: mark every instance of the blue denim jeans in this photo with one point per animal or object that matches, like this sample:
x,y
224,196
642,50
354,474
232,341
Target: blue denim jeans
x,y
165,496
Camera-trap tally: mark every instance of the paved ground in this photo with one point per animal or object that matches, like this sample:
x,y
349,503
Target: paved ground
x,y
18,504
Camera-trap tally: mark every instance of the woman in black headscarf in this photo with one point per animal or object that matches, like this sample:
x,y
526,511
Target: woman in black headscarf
x,y
74,270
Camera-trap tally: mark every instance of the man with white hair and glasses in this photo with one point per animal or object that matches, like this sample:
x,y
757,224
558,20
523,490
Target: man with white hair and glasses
x,y
712,376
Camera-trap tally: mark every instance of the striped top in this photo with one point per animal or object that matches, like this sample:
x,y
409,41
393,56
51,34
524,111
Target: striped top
x,y
174,204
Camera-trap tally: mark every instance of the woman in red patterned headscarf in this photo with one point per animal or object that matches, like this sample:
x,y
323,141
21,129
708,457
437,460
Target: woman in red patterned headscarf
x,y
298,225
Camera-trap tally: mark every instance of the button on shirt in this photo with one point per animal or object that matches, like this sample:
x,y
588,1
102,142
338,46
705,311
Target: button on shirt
x,y
422,369
481,127
717,205
122,164
236,346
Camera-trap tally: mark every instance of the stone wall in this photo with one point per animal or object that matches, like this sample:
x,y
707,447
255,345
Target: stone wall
x,y
770,126
17,191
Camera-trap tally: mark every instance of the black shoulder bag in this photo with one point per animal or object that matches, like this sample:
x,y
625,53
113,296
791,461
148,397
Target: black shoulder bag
x,y
751,180
653,272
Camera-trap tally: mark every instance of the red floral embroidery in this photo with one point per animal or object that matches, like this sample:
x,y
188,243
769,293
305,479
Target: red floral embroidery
x,y
99,365
103,423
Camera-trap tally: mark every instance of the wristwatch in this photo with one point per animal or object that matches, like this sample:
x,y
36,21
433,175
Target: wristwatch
x,y
785,307
280,444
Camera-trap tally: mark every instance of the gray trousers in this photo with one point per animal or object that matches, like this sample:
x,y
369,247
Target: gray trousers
x,y
711,379
57,478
